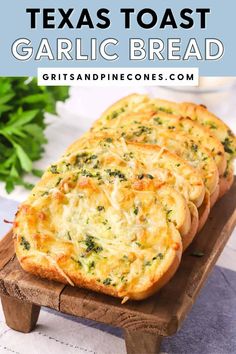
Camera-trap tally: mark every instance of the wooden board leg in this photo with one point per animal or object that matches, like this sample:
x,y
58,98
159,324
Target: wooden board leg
x,y
19,315
142,343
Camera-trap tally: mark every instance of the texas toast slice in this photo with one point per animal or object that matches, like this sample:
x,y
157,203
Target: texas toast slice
x,y
114,162
132,129
199,113
176,125
70,230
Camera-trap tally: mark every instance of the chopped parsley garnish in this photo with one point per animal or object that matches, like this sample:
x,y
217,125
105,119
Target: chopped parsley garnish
x,y
142,175
123,279
142,129
226,173
194,147
149,176
168,214
166,110
24,243
80,157
90,174
58,181
116,113
100,208
77,261
96,164
109,140
128,156
116,173
212,125
91,265
92,157
53,169
75,178
226,143
148,263
158,120
83,154
136,210
158,256
230,133
107,281
84,158
91,245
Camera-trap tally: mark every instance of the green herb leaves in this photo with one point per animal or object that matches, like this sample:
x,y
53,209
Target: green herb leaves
x,y
53,169
22,107
91,245
25,161
227,146
107,281
25,244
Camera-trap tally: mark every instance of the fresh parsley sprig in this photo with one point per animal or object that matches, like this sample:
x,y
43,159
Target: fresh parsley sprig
x,y
22,107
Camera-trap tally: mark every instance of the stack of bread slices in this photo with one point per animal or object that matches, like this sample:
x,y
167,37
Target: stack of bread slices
x,y
118,209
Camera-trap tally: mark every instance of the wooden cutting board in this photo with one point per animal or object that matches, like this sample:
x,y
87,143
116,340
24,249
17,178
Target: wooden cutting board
x,y
144,322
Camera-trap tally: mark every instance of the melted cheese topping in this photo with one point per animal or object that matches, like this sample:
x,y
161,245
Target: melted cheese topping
x,y
134,161
110,234
175,141
143,104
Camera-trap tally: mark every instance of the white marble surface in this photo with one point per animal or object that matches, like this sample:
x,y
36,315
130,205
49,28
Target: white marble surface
x,y
62,334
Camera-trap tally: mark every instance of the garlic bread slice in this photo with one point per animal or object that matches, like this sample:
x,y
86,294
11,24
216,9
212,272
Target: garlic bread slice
x,y
131,129
138,103
185,126
70,230
204,117
141,159
217,128
144,167
113,162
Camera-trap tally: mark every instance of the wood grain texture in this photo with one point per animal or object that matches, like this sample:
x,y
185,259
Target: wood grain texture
x,y
6,249
20,315
162,313
142,343
26,287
